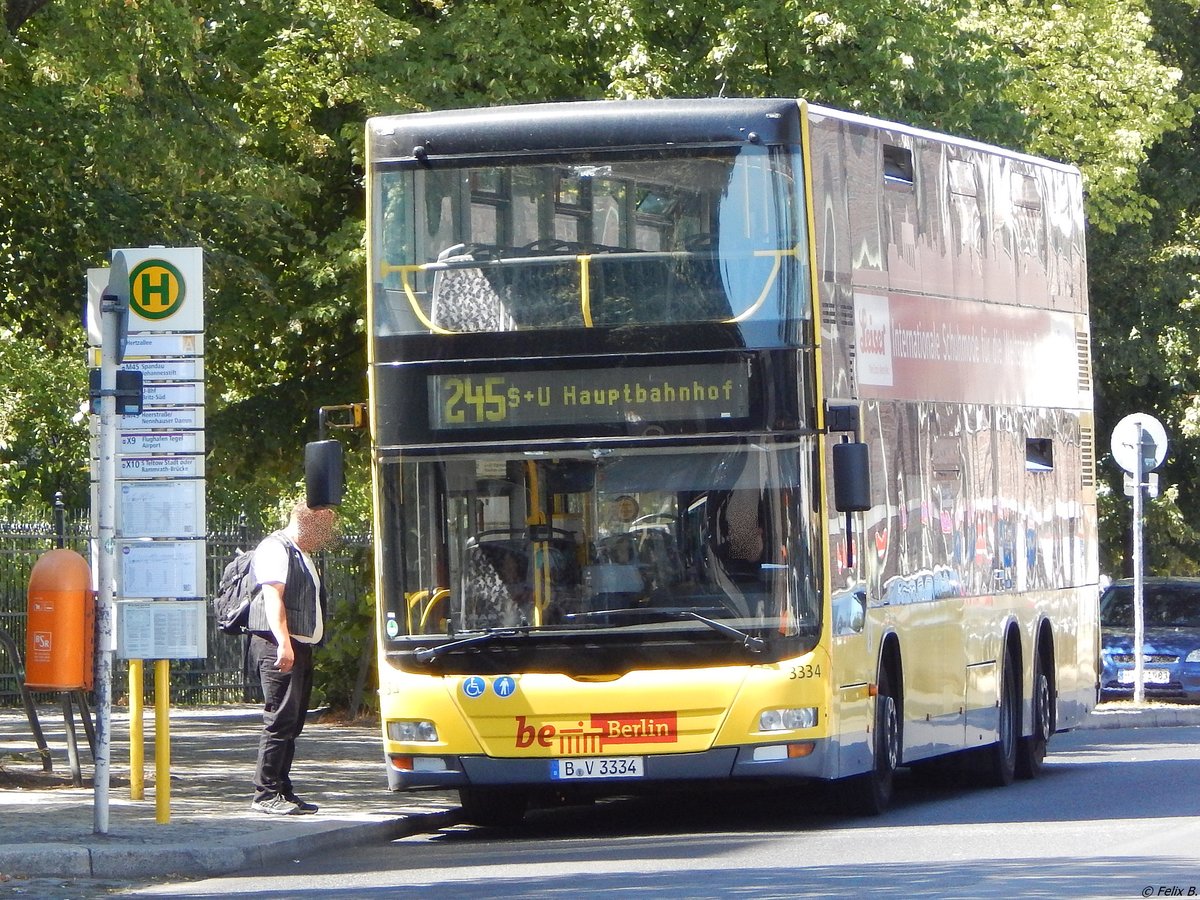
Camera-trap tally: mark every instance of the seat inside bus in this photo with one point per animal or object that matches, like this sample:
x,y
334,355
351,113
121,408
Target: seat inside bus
x,y
539,285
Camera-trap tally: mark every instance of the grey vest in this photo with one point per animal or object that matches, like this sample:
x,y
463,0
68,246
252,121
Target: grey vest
x,y
299,597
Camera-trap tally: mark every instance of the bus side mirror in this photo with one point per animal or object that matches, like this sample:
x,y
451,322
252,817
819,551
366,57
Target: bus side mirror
x,y
323,480
851,477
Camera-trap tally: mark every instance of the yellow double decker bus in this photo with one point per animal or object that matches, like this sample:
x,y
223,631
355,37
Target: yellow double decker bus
x,y
722,441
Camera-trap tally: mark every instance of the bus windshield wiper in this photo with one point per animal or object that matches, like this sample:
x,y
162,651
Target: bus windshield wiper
x,y
749,641
428,654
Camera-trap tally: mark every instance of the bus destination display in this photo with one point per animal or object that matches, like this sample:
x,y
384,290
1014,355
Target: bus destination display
x,y
708,392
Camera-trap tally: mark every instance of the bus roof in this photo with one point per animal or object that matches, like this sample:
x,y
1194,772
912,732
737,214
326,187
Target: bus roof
x,y
941,137
587,125
623,124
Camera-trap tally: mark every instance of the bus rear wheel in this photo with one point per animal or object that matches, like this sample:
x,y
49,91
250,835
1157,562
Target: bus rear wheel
x,y
1032,750
492,805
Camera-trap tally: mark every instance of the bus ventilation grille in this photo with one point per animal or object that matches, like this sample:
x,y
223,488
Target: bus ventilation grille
x,y
1087,446
838,315
1083,351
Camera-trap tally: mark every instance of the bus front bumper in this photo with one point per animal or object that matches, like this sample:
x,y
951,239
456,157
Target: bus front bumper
x,y
790,760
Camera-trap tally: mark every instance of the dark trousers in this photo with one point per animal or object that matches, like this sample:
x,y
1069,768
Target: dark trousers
x,y
286,697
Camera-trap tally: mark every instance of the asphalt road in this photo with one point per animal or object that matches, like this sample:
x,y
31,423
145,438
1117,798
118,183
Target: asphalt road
x,y
1115,815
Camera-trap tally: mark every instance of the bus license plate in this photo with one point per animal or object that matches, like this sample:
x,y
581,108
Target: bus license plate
x,y
597,767
1149,676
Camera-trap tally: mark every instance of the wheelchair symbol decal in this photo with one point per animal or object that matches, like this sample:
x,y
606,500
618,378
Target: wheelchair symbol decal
x,y
474,687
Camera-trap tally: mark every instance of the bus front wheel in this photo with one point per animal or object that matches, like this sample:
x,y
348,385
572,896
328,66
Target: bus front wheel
x,y
492,806
871,793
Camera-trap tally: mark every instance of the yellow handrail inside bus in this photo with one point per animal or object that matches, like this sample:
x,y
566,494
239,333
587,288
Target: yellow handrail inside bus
x,y
406,270
539,559
585,288
438,596
778,255
411,602
425,602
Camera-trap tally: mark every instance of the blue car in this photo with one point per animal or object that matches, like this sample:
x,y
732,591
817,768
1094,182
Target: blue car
x,y
1170,645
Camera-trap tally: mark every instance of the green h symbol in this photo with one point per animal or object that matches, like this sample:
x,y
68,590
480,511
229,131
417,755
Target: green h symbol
x,y
152,284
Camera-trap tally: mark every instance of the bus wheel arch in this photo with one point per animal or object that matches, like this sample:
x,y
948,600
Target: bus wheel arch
x,y
1043,710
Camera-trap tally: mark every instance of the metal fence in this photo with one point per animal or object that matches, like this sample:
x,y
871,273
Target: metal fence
x,y
219,678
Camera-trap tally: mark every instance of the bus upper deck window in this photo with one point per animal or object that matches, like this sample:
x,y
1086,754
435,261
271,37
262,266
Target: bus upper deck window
x,y
1039,455
897,165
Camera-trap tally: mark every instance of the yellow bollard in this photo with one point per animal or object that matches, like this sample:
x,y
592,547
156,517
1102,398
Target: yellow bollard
x,y
137,734
162,741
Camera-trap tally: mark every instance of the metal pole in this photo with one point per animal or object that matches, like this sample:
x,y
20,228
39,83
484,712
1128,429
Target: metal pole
x,y
106,552
72,740
60,521
1139,690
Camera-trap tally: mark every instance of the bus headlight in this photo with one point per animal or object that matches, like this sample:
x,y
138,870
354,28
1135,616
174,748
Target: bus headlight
x,y
787,719
412,732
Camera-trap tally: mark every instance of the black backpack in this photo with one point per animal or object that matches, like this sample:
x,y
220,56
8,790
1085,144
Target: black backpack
x,y
231,603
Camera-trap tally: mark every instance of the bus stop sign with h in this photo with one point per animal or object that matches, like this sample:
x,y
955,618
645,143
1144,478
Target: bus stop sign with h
x,y
145,324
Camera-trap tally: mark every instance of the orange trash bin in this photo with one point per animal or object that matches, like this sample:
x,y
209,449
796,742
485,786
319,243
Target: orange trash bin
x,y
59,631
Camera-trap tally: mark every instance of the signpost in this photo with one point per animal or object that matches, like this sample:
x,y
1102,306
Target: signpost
x,y
1139,446
145,323
112,306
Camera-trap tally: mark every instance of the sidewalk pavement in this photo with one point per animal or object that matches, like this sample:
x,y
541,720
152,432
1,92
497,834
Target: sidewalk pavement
x,y
48,826
51,830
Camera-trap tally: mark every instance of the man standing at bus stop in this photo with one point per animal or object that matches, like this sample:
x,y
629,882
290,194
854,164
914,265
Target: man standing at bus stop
x,y
287,621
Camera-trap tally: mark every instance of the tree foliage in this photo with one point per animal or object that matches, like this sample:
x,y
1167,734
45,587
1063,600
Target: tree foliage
x,y
1145,296
43,441
229,126
1093,92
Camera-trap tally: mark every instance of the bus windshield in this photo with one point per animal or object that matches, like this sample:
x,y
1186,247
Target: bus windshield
x,y
655,238
635,542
